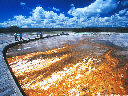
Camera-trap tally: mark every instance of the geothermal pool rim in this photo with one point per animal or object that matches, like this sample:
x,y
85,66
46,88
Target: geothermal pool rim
x,y
14,44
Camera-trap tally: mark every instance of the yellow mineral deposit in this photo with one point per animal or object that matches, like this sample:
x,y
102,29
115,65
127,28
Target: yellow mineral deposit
x,y
55,76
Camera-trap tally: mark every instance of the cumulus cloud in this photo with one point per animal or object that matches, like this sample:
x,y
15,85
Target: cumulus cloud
x,y
38,13
122,12
39,19
82,17
72,5
96,8
126,13
55,9
22,3
113,21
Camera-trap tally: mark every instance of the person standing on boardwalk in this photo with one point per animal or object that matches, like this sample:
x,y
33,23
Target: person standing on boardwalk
x,y
41,35
15,35
37,34
21,36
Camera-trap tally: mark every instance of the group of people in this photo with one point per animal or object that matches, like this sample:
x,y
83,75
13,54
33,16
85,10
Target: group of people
x,y
21,37
18,35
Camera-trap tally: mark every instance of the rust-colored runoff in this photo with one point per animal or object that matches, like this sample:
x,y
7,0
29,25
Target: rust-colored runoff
x,y
66,72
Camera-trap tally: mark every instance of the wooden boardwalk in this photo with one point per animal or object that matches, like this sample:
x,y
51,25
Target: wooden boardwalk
x,y
8,86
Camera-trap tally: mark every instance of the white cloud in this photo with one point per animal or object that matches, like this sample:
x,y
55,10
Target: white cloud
x,y
38,13
96,8
48,18
19,18
122,11
41,18
55,9
114,21
72,5
51,15
126,13
22,3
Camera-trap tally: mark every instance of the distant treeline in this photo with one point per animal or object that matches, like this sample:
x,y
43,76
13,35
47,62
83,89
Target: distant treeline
x,y
101,29
17,29
88,29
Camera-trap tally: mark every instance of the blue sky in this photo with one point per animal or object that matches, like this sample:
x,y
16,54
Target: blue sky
x,y
63,13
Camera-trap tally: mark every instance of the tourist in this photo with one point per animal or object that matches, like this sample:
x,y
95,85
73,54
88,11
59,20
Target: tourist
x,y
21,36
41,35
15,35
37,34
63,33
